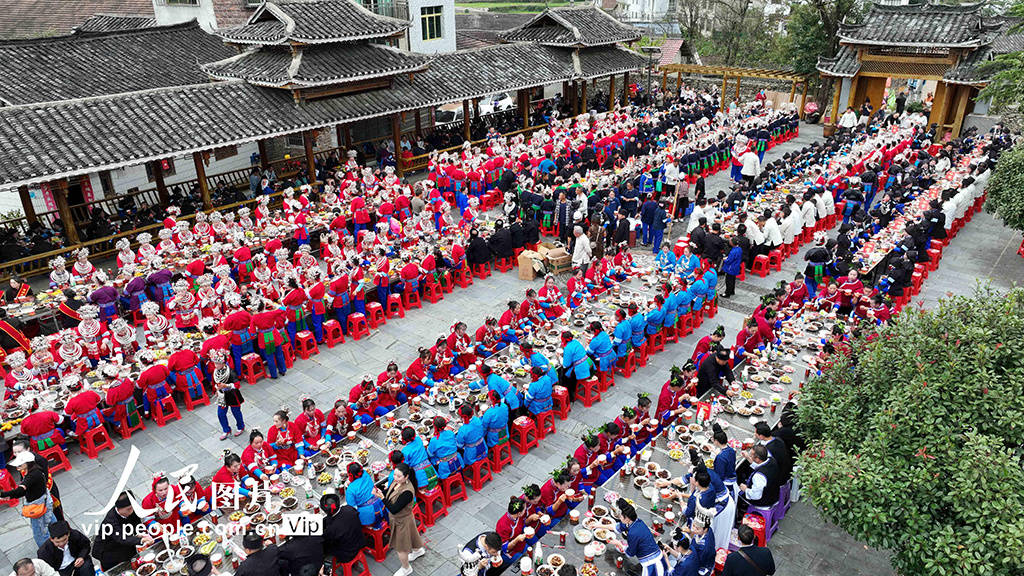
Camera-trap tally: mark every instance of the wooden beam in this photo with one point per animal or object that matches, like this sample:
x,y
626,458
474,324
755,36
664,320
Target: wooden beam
x,y
803,102
339,137
157,167
583,104
611,92
419,123
307,143
792,92
204,188
524,106
26,205
465,119
261,145
725,83
348,136
396,140
963,96
59,189
664,80
853,92
625,89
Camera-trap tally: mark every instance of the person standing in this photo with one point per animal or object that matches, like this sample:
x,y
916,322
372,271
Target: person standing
x,y
658,226
38,506
640,543
647,210
582,252
732,266
748,560
67,551
400,500
117,540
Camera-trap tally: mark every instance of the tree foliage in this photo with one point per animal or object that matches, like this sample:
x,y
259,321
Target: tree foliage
x,y
915,446
1006,188
1006,85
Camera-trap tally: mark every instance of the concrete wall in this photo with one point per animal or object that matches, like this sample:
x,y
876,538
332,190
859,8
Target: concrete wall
x,y
446,43
171,13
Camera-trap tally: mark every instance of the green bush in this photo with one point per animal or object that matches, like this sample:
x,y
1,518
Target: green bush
x,y
915,445
1006,188
915,107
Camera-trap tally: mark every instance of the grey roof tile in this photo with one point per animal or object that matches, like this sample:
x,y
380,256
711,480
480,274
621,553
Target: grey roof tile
x,y
571,26
316,65
83,66
113,131
918,24
113,23
312,22
844,64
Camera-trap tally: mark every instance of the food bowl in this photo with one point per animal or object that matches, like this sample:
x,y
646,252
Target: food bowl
x,y
290,502
556,560
186,551
582,535
599,511
146,569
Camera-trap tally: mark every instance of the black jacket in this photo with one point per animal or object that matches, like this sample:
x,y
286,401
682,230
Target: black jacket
x,y
111,546
78,545
266,562
709,376
515,229
343,535
478,252
697,240
501,243
737,565
302,555
714,247
531,232
780,452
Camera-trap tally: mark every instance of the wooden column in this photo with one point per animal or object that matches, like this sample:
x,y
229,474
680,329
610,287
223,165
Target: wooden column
x,y
574,98
940,106
524,106
396,140
348,137
664,80
307,143
465,119
26,205
961,108
204,188
837,89
803,101
725,84
261,145
339,137
611,92
738,79
625,89
679,82
157,168
59,189
792,92
584,107
419,123
853,92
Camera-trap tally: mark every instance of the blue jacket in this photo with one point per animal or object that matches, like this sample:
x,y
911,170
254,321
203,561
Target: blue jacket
x,y
647,212
600,347
495,421
537,359
417,459
574,358
683,301
505,389
654,319
638,324
687,565
687,265
711,281
661,219
666,261
623,332
733,262
640,543
538,394
444,454
725,464
470,440
699,289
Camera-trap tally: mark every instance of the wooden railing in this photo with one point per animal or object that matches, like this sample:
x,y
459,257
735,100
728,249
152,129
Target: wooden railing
x,y
100,249
420,162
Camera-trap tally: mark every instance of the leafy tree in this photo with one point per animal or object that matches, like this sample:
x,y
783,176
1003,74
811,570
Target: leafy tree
x,y
1006,86
1006,188
805,40
915,441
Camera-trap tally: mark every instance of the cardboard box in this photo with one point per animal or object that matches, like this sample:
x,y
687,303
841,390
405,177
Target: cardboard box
x,y
544,247
556,253
526,262
560,265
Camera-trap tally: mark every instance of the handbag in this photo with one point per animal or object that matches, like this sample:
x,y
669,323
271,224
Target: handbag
x,y
33,511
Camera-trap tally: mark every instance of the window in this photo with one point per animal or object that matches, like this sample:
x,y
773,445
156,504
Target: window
x,y
181,2
430,21
168,165
295,140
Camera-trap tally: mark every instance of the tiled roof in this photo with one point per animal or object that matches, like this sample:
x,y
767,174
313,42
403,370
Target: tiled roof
x,y
37,18
917,25
492,21
312,22
844,64
87,65
573,27
316,65
607,60
113,23
469,39
1002,40
48,141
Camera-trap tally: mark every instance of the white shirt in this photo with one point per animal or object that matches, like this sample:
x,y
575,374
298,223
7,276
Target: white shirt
x,y
42,568
751,164
786,230
581,253
830,202
695,216
68,558
671,173
949,210
819,204
796,218
753,232
758,482
772,234
808,211
848,120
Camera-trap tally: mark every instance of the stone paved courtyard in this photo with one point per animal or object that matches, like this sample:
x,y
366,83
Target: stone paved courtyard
x,y
804,545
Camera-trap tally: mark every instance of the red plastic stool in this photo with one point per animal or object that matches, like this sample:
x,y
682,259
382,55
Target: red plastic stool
x,y
395,307
447,282
482,270
306,344
605,380
560,398
355,567
58,459
684,325
933,259
656,342
253,368
191,404
165,410
454,488
462,277
524,434
505,264
743,272
411,298
588,391
501,456
90,446
775,260
545,424
641,355
421,523
357,326
670,334
138,318
628,366
289,354
333,334
479,473
375,314
434,506
126,430
761,265
433,292
380,541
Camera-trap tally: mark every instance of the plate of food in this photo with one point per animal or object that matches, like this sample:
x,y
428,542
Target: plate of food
x,y
788,369
546,570
673,454
599,547
786,379
777,387
556,560
588,569
590,523
582,535
602,534
324,478
287,492
599,511
236,515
